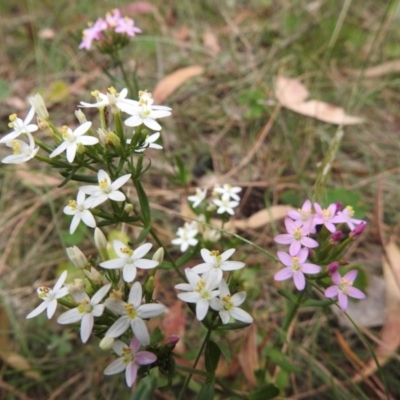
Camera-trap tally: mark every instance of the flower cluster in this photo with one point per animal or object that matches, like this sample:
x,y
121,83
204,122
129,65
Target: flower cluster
x,y
224,199
113,27
210,289
326,225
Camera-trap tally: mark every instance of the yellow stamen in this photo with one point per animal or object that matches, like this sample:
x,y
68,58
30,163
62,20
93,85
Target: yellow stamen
x,y
200,285
350,210
16,147
111,90
12,117
95,93
132,313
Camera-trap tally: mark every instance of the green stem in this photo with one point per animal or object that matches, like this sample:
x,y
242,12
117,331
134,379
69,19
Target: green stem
x,y
124,73
189,377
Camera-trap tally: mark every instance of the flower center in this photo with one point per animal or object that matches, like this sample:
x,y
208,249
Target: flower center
x,y
112,91
104,186
297,234
228,304
127,251
295,266
350,210
127,355
132,313
43,291
85,307
145,98
201,284
72,204
326,214
16,147
344,285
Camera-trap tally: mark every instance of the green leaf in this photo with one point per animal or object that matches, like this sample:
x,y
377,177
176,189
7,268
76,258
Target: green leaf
x,y
225,351
317,303
278,358
157,336
143,234
212,355
348,198
145,388
266,392
207,391
144,203
290,296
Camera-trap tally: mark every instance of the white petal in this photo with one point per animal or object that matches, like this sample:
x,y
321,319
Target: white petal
x,y
88,219
146,311
241,315
225,317
86,327
69,317
140,330
60,281
146,264
58,150
115,367
98,296
129,273
116,306
81,129
191,297
226,254
116,195
119,327
39,309
113,264
120,181
201,309
51,308
238,298
142,250
152,124
71,151
98,310
74,223
135,295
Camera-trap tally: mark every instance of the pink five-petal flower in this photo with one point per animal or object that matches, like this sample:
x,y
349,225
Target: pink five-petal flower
x,y
346,216
305,214
296,236
93,33
325,216
343,287
130,359
127,25
296,267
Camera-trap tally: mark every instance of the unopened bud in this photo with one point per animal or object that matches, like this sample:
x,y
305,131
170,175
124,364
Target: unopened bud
x,y
103,136
128,208
100,242
77,257
159,255
37,103
77,290
339,206
172,341
150,285
332,267
115,140
94,275
106,343
358,230
81,116
335,237
80,149
211,235
42,124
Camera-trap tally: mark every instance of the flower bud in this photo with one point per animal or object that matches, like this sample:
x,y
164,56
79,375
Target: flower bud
x,y
335,237
128,208
115,140
332,267
37,103
103,136
81,116
77,290
94,275
159,255
101,243
80,149
172,341
211,235
150,284
357,231
339,206
106,343
77,257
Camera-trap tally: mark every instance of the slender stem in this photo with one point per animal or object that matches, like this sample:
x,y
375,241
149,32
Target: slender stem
x,y
124,73
189,377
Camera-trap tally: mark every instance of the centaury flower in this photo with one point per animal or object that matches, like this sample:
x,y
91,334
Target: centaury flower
x,y
20,126
80,210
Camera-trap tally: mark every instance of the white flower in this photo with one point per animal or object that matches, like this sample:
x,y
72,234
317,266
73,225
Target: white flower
x,y
20,126
186,236
149,142
72,139
105,190
37,103
132,315
77,257
215,263
87,309
198,197
228,190
211,235
144,112
49,297
227,305
200,291
131,358
80,210
22,151
129,260
225,205
112,99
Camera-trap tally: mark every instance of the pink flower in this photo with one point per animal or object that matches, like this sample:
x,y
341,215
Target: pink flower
x,y
296,236
295,267
112,18
130,360
325,216
305,215
93,33
346,216
127,25
343,287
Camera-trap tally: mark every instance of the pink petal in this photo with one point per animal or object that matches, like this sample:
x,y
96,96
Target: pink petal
x,y
343,301
336,278
283,274
351,275
331,291
285,238
131,373
356,293
294,247
310,268
145,357
299,280
308,242
285,258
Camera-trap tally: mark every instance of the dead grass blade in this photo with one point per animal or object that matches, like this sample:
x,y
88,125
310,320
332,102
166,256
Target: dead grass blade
x,y
376,71
292,94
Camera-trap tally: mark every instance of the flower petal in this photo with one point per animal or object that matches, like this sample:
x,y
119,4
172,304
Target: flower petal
x,y
140,330
119,327
356,293
284,274
145,358
299,280
39,309
135,294
241,315
131,373
115,367
201,309
69,317
86,327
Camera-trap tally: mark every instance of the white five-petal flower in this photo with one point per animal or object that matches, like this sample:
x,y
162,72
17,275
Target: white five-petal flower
x,y
105,189
130,359
79,209
198,197
20,126
149,142
215,263
229,191
199,290
87,309
227,305
22,151
129,260
225,205
112,99
72,139
186,236
132,314
49,297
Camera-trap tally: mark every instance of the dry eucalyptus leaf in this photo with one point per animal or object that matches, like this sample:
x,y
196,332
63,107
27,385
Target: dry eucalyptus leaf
x,y
389,336
18,362
263,217
248,355
377,71
172,82
292,94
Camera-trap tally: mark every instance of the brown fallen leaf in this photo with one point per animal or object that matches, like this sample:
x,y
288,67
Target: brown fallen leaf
x,y
19,362
292,94
389,336
263,217
173,81
210,41
248,355
377,71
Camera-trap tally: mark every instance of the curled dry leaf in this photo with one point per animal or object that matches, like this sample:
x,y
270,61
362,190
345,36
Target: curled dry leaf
x,y
292,94
172,82
389,336
248,355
